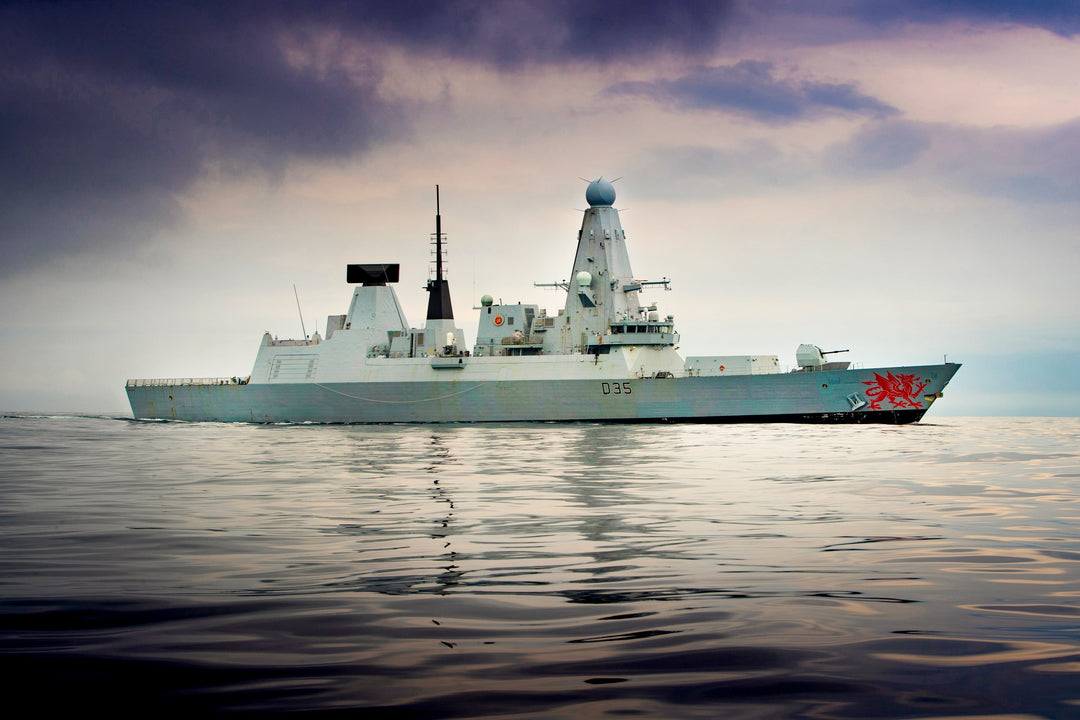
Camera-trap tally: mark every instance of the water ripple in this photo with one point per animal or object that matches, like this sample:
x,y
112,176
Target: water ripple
x,y
543,571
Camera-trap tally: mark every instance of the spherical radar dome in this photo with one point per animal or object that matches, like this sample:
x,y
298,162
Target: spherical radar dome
x,y
600,193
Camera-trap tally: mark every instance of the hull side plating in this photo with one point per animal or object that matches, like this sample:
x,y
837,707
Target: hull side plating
x,y
825,397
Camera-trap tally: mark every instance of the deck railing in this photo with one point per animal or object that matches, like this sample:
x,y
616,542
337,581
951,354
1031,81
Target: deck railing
x,y
159,382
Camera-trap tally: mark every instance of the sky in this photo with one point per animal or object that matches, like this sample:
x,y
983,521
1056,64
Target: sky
x,y
899,179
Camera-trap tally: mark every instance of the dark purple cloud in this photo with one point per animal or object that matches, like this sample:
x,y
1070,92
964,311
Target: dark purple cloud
x,y
74,172
881,147
510,33
826,22
750,88
1059,16
1030,165
108,110
1038,167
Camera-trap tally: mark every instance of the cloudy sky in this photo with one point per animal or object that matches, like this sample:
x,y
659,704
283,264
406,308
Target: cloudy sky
x,y
901,179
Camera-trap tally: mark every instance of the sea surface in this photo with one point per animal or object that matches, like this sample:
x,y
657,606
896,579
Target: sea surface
x,y
542,570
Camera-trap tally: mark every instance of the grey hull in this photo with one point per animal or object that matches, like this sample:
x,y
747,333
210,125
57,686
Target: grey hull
x,y
884,395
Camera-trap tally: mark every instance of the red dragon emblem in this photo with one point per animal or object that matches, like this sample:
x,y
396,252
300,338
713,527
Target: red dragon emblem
x,y
900,390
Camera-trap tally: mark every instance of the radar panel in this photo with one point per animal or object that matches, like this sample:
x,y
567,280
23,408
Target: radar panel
x,y
378,274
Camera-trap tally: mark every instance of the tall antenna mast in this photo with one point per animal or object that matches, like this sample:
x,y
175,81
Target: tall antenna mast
x,y
439,289
438,238
299,311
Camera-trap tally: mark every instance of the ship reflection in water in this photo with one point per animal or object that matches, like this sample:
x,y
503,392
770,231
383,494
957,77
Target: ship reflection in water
x,y
543,570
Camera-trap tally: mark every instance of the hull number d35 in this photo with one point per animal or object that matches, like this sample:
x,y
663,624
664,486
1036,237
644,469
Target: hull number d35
x,y
616,388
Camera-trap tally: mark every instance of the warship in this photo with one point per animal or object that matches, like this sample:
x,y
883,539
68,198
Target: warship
x,y
606,356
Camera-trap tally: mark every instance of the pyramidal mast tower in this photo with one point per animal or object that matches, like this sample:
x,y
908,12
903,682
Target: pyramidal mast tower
x,y
603,294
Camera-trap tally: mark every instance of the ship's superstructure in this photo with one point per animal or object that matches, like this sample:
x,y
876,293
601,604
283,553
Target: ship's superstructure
x,y
605,356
